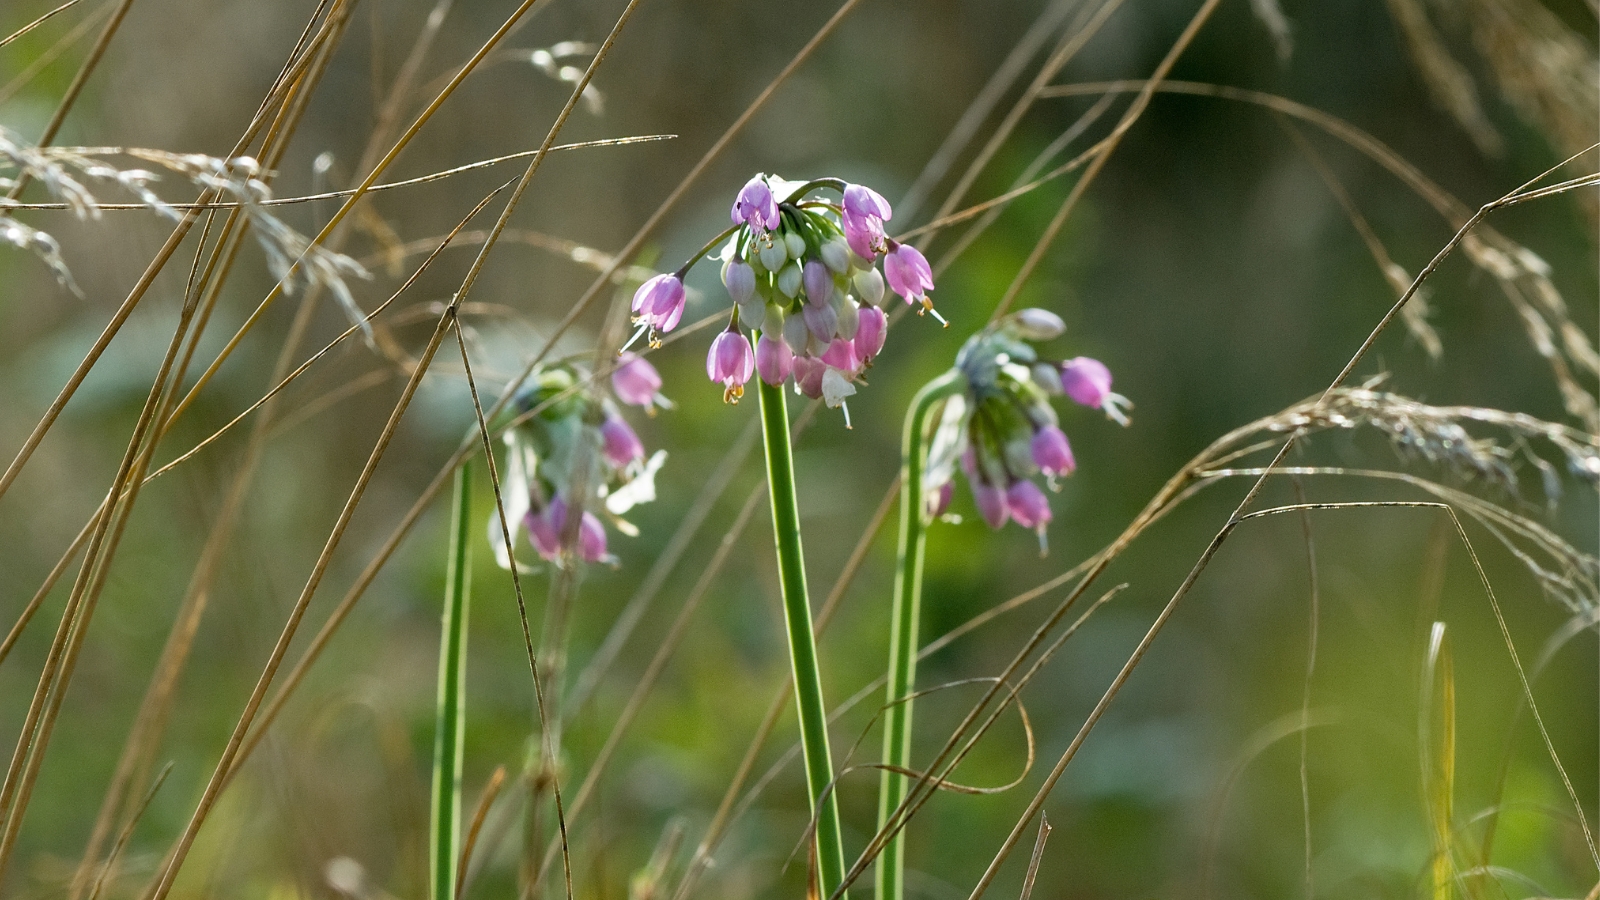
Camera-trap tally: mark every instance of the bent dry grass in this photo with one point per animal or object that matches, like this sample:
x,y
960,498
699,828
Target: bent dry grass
x,y
637,742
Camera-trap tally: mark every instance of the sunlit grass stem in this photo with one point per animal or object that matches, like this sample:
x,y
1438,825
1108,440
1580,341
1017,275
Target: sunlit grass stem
x,y
802,646
903,627
451,711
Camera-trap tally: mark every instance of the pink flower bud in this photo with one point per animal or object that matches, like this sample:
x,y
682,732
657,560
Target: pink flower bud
x,y
774,359
991,503
1028,505
740,280
1086,380
618,442
659,302
591,538
908,272
1051,452
636,382
870,332
841,355
755,206
818,281
544,528
860,200
808,372
731,361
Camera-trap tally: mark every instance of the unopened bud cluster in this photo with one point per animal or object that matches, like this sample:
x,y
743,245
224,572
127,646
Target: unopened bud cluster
x,y
807,293
1003,432
570,440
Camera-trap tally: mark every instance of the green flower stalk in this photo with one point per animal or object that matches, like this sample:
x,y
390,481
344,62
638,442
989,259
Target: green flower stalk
x,y
451,709
903,625
807,297
996,423
802,645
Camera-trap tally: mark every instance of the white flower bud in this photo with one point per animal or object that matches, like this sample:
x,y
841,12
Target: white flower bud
x,y
773,321
1048,378
795,333
773,254
836,255
849,315
1034,324
789,280
869,284
739,279
795,244
752,310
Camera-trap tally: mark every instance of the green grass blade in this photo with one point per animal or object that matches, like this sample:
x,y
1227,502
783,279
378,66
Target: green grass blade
x,y
451,710
1438,731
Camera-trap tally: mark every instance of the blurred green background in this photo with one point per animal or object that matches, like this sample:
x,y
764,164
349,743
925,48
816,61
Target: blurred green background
x,y
1209,266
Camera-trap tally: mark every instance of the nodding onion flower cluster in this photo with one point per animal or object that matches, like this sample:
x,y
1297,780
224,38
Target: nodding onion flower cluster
x,y
572,433
1003,430
804,281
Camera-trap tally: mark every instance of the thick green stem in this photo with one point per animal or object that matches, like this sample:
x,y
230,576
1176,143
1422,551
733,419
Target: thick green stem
x,y
802,645
451,712
903,628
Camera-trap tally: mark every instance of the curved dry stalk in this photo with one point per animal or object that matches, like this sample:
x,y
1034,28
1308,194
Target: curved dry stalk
x,y
1076,37
544,713
70,96
1107,147
972,118
37,22
38,725
297,64
140,747
338,195
926,776
169,870
64,43
1175,486
1288,725
366,184
1211,549
1519,273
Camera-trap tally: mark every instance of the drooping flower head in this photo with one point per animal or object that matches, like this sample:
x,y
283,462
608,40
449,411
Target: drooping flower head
x,y
802,273
1002,432
569,442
